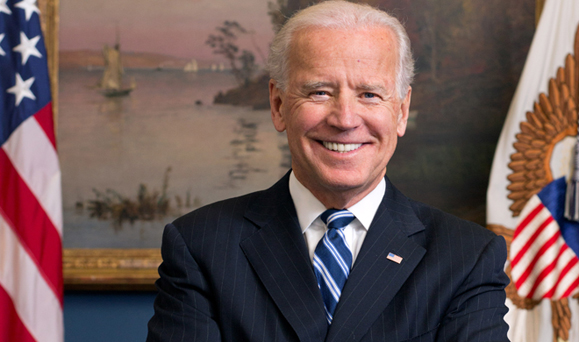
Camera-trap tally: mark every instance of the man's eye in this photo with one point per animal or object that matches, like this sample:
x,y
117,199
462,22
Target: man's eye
x,y
320,93
369,95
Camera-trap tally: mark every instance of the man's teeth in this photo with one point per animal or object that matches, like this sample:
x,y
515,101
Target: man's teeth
x,y
341,147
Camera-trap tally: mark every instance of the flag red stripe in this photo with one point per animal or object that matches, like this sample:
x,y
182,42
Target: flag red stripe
x,y
546,271
562,275
528,219
45,120
30,223
540,252
531,241
11,327
571,288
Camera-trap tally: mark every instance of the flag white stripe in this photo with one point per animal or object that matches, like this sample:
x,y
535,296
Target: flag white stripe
x,y
527,232
532,203
549,282
551,279
33,156
35,302
544,261
550,230
567,281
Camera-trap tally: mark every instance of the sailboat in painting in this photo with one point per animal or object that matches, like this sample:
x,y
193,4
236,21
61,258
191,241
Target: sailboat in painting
x,y
111,83
192,66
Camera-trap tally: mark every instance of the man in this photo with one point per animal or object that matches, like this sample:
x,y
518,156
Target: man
x,y
265,267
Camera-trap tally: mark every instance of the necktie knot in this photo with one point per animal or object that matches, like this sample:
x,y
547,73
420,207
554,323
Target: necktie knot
x,y
336,218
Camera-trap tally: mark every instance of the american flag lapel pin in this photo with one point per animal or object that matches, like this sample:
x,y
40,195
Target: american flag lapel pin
x,y
393,257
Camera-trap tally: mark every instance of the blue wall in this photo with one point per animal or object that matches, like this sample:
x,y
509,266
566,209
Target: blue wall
x,y
107,316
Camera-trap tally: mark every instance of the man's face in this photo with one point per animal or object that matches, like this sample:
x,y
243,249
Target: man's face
x,y
341,110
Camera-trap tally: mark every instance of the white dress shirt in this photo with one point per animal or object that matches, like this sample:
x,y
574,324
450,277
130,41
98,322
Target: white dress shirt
x,y
309,209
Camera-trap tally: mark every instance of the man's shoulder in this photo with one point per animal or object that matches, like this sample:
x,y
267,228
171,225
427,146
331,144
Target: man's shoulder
x,y
438,222
262,201
215,224
231,220
456,243
223,209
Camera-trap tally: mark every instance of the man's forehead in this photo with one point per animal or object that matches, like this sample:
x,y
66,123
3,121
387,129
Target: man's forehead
x,y
365,57
314,42
377,35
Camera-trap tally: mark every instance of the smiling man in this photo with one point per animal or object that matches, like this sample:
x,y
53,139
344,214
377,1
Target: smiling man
x,y
341,110
333,251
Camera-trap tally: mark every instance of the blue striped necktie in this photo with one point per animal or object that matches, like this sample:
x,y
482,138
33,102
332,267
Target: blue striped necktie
x,y
333,259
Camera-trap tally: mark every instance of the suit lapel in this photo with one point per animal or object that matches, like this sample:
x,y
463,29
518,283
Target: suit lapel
x,y
374,279
278,254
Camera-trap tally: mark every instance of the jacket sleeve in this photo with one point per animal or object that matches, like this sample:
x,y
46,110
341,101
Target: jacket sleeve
x,y
183,307
477,309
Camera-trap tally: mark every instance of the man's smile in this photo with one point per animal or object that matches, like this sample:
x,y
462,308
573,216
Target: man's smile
x,y
340,147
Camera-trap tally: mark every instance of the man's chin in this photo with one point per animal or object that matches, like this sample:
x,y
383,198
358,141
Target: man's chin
x,y
335,181
347,184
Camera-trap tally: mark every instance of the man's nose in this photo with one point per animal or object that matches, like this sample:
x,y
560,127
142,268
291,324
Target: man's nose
x,y
344,115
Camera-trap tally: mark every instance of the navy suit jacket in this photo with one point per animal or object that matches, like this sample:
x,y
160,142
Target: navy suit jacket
x,y
239,270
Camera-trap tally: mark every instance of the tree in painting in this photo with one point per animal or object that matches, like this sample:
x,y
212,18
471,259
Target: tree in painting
x,y
223,43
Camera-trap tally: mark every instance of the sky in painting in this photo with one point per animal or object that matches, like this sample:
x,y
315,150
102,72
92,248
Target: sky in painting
x,y
173,27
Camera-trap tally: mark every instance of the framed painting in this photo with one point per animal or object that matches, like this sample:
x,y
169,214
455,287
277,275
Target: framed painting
x,y
155,121
163,107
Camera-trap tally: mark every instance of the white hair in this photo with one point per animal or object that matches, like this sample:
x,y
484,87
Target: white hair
x,y
340,15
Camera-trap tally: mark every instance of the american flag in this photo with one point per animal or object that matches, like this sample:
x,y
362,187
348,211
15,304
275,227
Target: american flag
x,y
545,245
30,193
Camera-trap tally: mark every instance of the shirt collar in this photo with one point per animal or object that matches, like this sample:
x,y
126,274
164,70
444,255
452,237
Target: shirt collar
x,y
308,207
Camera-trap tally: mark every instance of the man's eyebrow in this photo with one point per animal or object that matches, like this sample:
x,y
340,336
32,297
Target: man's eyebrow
x,y
315,85
372,87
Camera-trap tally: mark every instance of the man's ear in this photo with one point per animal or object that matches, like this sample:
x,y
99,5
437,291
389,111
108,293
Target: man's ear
x,y
275,103
404,112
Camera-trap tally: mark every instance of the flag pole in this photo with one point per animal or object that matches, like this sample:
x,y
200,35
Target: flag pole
x,y
539,4
572,196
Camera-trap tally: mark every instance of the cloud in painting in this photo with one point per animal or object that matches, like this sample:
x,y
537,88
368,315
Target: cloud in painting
x,y
175,27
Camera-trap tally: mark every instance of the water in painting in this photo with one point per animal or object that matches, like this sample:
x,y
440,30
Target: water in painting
x,y
131,164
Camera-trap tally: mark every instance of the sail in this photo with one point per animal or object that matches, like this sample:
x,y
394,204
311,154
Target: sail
x,y
192,66
111,83
112,76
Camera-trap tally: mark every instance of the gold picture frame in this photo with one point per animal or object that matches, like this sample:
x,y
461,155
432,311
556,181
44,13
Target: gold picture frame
x,y
111,269
95,269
